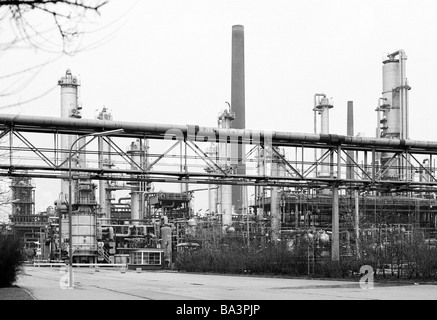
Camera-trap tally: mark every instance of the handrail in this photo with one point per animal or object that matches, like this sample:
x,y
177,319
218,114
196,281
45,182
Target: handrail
x,y
61,264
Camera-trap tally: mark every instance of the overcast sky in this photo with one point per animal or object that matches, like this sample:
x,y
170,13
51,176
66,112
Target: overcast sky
x,y
170,62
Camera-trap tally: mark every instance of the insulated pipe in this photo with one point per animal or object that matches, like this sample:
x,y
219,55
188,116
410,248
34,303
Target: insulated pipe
x,y
335,245
212,189
129,231
403,97
357,223
192,132
403,92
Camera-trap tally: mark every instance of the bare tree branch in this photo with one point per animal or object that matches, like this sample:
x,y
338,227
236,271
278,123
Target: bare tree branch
x,y
66,16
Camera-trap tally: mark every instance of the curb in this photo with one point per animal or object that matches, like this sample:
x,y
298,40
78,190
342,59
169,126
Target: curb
x,y
29,293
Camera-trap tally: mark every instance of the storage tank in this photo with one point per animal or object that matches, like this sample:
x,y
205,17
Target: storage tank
x,y
84,235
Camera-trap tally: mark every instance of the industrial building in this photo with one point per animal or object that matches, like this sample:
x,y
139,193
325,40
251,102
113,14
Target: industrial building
x,y
260,186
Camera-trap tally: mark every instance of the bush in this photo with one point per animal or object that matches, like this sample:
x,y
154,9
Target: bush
x,y
414,258
237,258
11,260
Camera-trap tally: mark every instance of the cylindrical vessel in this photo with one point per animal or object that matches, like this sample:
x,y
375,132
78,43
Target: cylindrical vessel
x,y
69,109
166,244
84,234
135,154
226,209
324,115
212,199
323,108
226,205
392,112
104,163
391,81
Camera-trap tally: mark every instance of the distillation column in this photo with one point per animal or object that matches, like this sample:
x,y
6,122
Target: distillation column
x,y
323,109
69,109
136,156
394,119
83,219
105,162
225,191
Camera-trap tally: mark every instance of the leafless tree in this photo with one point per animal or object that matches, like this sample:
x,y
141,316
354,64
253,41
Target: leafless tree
x,y
47,24
55,27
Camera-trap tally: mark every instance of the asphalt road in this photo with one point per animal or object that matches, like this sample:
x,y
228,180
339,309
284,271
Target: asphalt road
x,y
111,284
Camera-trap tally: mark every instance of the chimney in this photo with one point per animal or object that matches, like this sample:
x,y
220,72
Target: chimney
x,y
238,107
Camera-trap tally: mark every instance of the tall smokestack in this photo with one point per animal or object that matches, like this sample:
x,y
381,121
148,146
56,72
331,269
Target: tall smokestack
x,y
238,107
350,132
238,89
350,118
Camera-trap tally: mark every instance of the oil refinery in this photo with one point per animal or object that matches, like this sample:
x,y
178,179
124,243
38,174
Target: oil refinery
x,y
261,186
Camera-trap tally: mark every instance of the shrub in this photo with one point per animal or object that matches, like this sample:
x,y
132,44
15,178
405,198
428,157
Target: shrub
x,y
414,259
11,260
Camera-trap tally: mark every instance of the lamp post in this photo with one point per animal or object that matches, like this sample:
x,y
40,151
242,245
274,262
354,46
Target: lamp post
x,y
70,205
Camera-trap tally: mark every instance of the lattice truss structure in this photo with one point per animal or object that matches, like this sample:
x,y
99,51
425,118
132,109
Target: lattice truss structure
x,y
30,146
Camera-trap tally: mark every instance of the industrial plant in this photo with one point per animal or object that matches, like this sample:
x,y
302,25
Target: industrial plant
x,y
126,189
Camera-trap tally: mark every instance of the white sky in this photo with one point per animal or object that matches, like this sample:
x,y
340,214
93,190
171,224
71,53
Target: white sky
x,y
169,61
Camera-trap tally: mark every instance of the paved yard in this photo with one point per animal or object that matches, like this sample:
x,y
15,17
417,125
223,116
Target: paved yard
x,y
112,284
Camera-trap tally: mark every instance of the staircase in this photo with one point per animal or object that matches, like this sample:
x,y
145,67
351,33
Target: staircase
x,y
103,254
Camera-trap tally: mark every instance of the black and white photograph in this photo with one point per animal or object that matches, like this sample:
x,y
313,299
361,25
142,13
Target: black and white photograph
x,y
228,157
